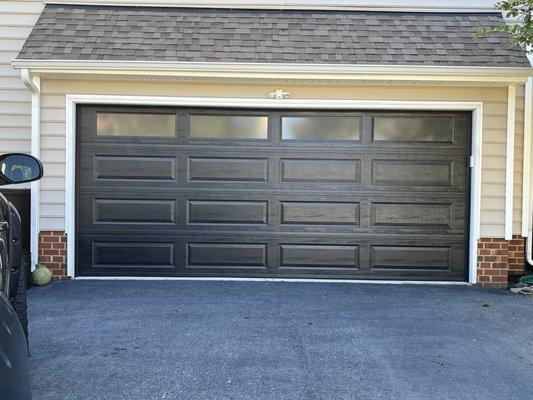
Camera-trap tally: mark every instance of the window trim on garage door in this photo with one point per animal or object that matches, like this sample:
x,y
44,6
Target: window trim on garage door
x,y
72,100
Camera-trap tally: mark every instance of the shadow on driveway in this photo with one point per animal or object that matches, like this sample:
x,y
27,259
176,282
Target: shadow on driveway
x,y
273,340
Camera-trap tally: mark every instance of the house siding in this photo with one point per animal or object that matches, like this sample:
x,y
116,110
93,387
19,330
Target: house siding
x,y
493,147
518,160
16,21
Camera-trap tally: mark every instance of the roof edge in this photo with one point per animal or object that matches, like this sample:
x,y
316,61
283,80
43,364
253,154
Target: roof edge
x,y
335,5
170,69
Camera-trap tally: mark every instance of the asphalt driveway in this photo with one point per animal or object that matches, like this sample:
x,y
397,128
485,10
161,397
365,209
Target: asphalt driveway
x,y
273,340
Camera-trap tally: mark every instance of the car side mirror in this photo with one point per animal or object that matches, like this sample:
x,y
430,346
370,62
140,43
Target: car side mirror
x,y
19,168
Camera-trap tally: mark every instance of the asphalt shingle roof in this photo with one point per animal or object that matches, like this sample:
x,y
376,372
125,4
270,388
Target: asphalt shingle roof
x,y
267,36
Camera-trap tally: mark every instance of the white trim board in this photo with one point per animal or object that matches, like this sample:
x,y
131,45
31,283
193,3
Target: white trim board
x,y
475,107
278,71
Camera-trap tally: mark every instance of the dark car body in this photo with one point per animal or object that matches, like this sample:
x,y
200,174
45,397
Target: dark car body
x,y
14,372
14,378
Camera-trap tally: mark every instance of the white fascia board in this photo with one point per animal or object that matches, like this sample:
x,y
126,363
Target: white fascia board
x,y
348,5
512,75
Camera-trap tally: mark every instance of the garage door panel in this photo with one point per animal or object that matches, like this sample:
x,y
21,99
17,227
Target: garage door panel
x,y
144,168
391,204
142,254
110,255
227,212
318,256
412,173
421,215
226,255
116,168
227,169
320,170
126,211
411,257
309,257
119,211
319,213
267,213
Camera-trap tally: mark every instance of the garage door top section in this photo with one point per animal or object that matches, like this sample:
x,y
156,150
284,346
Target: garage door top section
x,y
194,192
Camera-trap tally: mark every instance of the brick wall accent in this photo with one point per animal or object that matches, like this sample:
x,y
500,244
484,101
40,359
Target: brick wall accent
x,y
53,252
517,255
497,259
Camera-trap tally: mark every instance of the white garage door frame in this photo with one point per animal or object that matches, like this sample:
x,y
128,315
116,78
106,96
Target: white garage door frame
x,y
72,100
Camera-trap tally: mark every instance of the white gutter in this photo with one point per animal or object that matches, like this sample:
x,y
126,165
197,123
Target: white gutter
x,y
33,83
504,75
450,6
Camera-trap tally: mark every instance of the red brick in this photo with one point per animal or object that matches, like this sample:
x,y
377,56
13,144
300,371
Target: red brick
x,y
51,239
497,258
53,252
493,272
50,252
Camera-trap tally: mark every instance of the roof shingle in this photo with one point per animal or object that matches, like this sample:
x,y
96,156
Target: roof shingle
x,y
267,36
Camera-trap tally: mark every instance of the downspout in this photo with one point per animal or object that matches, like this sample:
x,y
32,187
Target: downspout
x,y
33,83
527,199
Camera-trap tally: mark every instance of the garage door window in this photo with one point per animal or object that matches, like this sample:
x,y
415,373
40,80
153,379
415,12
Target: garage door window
x,y
320,128
136,124
405,129
229,126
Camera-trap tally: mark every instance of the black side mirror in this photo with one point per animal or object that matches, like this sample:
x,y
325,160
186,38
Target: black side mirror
x,y
19,168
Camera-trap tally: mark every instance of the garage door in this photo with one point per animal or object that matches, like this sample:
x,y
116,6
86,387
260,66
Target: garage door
x,y
214,192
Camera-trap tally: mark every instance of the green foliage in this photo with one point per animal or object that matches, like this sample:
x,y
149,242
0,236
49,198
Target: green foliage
x,y
521,31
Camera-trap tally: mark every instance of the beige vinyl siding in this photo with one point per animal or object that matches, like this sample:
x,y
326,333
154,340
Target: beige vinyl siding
x,y
494,130
493,174
518,160
16,21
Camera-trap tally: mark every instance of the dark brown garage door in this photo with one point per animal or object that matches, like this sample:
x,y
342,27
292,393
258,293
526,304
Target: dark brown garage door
x,y
210,192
